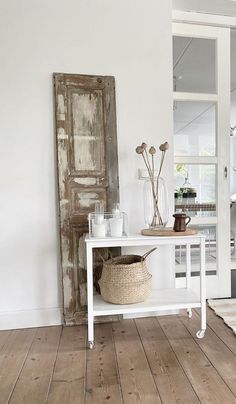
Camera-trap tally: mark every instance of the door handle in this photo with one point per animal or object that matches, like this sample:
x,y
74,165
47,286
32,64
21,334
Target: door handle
x,y
226,172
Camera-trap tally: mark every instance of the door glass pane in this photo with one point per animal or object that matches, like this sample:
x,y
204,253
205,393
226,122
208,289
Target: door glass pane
x,y
194,128
194,64
209,232
195,189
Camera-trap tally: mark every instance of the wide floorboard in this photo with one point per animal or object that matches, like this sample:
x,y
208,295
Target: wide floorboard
x,y
145,361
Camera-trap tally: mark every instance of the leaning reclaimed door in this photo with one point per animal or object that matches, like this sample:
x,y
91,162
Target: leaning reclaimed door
x,y
87,172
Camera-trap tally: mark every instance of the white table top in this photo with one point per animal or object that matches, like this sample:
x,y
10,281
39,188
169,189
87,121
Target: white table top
x,y
138,240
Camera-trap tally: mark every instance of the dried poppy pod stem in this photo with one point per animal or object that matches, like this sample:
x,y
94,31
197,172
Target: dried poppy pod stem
x,y
143,151
144,145
152,151
164,146
157,219
147,159
139,150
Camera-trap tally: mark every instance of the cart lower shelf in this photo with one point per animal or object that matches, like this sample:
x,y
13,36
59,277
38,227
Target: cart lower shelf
x,y
159,299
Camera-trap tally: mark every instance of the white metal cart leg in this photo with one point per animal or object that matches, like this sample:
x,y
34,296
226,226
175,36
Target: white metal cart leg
x,y
188,273
201,332
189,311
89,254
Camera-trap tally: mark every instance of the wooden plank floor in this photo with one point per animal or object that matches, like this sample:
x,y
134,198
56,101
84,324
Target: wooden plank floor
x,y
144,361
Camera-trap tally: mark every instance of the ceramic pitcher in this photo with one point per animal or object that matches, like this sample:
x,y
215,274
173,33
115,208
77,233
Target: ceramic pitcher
x,y
181,221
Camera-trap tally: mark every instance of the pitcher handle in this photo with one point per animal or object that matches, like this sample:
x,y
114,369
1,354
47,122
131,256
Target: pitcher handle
x,y
189,220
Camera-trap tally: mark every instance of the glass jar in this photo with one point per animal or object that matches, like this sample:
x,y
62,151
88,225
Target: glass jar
x,y
156,210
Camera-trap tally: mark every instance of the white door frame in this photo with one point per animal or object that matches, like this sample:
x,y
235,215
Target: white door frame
x,y
218,285
191,17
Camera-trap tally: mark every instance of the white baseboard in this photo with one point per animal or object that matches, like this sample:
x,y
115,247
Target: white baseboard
x,y
10,320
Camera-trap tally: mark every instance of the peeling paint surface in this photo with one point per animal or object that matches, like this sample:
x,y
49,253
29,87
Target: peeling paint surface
x,y
67,291
85,111
87,199
82,252
63,163
60,108
86,181
67,263
63,202
88,131
61,134
83,294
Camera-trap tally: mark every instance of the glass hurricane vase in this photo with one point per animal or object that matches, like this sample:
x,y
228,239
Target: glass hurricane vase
x,y
155,203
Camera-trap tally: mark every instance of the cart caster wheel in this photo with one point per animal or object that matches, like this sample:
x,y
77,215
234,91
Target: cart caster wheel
x,y
91,344
189,311
200,333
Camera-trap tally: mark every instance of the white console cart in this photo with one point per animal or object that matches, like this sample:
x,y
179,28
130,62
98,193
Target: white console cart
x,y
160,299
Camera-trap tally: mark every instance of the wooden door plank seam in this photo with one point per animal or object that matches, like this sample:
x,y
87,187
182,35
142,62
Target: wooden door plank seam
x,y
204,375
102,382
212,329
136,378
205,354
67,383
4,335
179,362
23,363
53,368
117,367
32,384
148,361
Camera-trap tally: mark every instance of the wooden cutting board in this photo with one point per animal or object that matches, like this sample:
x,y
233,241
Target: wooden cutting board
x,y
168,232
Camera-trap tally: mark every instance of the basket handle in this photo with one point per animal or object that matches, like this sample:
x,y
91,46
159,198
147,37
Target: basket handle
x,y
144,256
101,257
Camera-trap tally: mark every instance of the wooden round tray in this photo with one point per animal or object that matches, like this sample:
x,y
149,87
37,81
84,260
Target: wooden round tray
x,y
167,232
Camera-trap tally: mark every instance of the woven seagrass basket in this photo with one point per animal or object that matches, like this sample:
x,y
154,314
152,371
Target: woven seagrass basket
x,y
125,279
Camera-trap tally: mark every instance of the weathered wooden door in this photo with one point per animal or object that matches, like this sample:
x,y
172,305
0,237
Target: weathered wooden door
x,y
87,172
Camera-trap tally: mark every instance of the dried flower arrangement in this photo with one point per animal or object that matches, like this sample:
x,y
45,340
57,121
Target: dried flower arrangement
x,y
150,165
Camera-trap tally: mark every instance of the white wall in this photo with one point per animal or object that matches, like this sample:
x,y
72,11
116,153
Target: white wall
x,y
130,39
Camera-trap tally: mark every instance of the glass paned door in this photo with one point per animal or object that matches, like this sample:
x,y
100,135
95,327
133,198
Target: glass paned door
x,y
201,109
194,128
188,68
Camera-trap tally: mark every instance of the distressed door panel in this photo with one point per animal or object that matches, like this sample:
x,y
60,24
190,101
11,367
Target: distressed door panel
x,y
84,199
87,172
86,132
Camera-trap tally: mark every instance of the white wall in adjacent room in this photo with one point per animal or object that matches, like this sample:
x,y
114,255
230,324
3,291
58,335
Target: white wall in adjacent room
x,y
130,40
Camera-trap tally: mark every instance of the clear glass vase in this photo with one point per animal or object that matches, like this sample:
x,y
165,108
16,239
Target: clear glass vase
x,y
156,210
